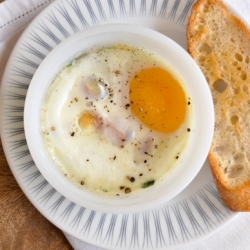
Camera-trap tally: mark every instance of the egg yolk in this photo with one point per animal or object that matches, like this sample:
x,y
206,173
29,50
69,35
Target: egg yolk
x,y
86,120
158,100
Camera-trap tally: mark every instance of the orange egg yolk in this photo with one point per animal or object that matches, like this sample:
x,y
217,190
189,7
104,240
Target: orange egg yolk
x,y
158,100
86,120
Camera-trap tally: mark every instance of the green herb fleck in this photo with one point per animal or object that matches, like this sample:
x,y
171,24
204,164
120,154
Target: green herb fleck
x,y
148,184
69,65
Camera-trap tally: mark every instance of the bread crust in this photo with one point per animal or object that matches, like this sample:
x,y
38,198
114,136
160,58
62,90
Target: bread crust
x,y
195,11
237,199
234,189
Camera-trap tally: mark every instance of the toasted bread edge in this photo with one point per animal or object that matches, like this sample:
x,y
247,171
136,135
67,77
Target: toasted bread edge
x,y
236,199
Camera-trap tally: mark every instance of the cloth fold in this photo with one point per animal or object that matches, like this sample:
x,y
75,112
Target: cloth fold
x,y
16,15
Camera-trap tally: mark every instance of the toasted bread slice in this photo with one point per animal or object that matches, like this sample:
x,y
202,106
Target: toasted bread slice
x,y
220,44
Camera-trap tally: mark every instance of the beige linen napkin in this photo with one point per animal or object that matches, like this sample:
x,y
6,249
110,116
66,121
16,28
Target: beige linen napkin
x,y
16,15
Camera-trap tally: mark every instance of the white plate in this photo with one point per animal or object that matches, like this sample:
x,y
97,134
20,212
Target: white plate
x,y
194,214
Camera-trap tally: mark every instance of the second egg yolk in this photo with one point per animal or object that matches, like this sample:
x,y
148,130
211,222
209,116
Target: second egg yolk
x,y
86,120
158,100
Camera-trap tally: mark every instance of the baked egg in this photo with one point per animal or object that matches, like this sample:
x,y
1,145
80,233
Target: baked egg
x,y
116,120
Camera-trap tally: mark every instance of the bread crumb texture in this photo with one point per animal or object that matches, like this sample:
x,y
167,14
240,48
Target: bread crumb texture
x,y
220,44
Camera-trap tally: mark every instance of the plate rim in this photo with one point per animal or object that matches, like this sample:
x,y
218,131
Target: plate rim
x,y
21,184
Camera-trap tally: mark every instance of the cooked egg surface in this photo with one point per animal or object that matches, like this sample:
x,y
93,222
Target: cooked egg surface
x,y
116,120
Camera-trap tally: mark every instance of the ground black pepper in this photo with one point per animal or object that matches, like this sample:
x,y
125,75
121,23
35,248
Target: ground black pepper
x,y
127,190
132,179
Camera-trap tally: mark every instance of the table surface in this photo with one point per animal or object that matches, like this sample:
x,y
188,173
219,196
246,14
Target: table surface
x,y
22,227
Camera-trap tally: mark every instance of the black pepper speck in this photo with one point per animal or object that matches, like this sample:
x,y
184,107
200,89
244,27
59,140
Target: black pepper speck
x,y
132,179
127,190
